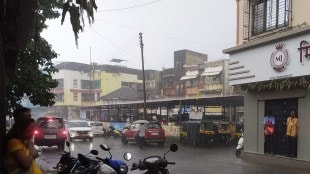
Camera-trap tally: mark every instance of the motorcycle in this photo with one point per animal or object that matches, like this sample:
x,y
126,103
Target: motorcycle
x,y
118,165
239,147
111,131
89,166
68,163
152,164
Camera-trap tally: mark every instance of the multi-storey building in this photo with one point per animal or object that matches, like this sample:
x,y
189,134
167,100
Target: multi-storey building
x,y
84,86
168,82
206,79
270,64
181,58
152,85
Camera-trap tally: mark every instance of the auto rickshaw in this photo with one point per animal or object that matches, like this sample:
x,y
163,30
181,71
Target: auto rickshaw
x,y
183,133
206,133
226,131
189,132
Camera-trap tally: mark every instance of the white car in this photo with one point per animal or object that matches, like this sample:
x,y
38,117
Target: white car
x,y
97,127
79,129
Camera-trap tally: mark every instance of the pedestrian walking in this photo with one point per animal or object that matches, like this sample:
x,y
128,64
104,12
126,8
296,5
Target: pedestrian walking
x,y
141,135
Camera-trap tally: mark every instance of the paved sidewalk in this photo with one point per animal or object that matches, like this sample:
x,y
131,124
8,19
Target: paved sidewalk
x,y
276,160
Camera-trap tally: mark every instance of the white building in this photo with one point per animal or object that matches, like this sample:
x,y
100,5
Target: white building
x,y
271,64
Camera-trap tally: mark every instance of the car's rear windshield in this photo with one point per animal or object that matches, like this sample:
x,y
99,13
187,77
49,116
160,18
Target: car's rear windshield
x,y
51,123
154,126
78,124
96,124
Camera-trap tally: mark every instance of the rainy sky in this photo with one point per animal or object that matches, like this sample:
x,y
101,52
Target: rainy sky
x,y
205,26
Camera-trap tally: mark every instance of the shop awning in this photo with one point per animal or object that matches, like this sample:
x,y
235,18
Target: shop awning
x,y
211,71
187,77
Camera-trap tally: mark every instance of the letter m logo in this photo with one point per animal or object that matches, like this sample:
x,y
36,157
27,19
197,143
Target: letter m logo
x,y
279,58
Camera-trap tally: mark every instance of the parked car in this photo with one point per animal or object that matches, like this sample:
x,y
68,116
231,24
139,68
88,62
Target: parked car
x,y
97,127
79,129
154,132
50,131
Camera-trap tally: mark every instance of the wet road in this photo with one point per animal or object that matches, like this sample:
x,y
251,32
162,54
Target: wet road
x,y
216,160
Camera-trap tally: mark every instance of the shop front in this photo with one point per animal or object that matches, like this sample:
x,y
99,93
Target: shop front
x,y
274,75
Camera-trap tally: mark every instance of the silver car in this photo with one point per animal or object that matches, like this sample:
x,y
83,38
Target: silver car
x,y
79,129
97,127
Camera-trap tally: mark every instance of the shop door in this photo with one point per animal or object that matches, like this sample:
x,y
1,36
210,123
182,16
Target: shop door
x,y
281,109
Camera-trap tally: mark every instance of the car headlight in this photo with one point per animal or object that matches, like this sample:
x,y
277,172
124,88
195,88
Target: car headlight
x,y
90,133
72,133
123,169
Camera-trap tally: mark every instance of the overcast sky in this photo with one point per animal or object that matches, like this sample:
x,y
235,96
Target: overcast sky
x,y
205,26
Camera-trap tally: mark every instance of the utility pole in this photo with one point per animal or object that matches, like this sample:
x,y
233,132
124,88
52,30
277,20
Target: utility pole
x,y
90,85
143,76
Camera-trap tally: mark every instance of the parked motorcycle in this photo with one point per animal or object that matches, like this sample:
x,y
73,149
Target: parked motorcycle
x,y
101,165
239,147
69,164
152,164
90,166
111,131
118,165
66,161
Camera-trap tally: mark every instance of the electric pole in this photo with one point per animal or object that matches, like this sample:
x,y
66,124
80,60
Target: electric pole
x,y
143,76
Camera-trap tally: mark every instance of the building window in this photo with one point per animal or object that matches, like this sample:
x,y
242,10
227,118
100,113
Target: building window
x,y
188,84
60,84
59,97
75,83
87,97
268,15
125,84
75,97
98,97
150,84
90,84
132,85
168,84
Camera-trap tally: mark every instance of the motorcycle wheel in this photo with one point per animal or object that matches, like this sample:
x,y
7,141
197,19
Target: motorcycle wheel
x,y
238,152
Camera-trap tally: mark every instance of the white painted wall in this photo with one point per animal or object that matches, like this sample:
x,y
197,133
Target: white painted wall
x,y
257,61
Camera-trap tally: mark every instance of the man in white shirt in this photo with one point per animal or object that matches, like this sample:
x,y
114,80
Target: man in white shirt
x,y
141,135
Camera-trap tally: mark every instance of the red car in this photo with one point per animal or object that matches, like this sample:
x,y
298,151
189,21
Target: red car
x,y
154,132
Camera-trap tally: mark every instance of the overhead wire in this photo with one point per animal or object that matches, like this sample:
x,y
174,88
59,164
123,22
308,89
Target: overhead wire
x,y
107,40
162,35
127,45
131,7
121,51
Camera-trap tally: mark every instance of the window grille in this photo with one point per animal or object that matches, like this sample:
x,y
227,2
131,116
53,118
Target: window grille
x,y
261,16
75,83
75,97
